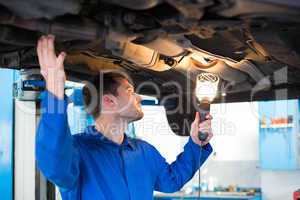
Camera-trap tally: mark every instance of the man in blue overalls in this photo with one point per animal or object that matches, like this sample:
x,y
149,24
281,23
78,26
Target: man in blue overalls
x,y
103,163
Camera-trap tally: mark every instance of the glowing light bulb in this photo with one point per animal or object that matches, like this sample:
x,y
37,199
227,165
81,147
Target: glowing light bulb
x,y
207,86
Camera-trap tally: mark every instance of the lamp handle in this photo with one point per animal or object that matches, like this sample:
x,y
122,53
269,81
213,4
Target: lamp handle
x,y
204,109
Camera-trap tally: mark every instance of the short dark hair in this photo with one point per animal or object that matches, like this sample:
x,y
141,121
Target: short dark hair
x,y
105,83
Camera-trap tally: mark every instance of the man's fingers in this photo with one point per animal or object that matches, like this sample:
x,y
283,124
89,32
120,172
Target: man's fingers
x,y
205,130
197,118
44,47
39,52
50,45
208,117
204,126
206,123
210,135
60,59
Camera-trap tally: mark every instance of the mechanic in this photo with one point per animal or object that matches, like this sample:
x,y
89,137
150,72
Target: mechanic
x,y
103,163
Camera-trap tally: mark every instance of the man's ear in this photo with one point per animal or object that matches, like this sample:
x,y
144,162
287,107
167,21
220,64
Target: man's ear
x,y
108,100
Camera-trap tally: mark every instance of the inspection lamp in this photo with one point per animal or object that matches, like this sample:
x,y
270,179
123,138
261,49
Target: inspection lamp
x,y
206,90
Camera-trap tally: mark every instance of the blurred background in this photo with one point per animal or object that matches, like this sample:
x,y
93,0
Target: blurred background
x,y
256,145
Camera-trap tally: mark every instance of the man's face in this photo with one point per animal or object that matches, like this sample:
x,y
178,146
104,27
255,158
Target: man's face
x,y
128,102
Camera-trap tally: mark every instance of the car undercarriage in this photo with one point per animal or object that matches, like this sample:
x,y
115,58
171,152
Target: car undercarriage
x,y
163,45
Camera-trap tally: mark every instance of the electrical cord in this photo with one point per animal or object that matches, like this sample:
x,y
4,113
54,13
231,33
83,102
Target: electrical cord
x,y
199,175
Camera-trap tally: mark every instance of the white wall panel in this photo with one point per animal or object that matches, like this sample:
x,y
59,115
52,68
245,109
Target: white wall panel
x,y
25,127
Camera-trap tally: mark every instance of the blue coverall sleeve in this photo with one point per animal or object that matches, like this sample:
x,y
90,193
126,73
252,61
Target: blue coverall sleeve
x,y
172,177
56,152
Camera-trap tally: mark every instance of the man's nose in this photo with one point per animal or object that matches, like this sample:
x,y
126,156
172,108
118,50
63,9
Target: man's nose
x,y
138,98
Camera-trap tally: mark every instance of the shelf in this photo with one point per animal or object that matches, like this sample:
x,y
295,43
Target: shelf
x,y
278,126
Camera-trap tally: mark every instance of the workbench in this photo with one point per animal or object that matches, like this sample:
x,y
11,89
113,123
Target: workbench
x,y
208,196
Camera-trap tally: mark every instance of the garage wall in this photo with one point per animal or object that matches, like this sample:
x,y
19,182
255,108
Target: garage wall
x,y
25,126
279,185
6,134
236,131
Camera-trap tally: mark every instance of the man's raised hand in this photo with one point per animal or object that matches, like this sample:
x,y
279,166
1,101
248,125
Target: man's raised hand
x,y
52,66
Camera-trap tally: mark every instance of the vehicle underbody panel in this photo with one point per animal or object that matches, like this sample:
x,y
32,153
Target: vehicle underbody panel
x,y
252,46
